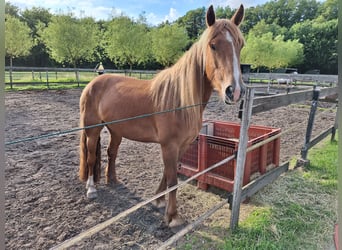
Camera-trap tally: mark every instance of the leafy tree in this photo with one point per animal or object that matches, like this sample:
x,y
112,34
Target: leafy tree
x,y
11,10
127,42
329,10
225,13
262,28
168,43
285,13
71,40
37,18
320,44
258,50
193,22
18,41
251,18
286,53
271,52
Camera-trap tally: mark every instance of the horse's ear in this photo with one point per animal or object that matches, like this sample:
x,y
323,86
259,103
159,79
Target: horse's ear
x,y
210,16
238,16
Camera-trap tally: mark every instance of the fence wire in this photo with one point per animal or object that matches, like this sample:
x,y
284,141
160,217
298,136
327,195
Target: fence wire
x,y
73,130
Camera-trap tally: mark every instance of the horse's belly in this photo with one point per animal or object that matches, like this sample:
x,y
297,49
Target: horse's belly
x,y
136,131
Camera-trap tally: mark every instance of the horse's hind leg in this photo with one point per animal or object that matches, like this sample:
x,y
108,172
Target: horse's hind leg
x,y
93,138
112,152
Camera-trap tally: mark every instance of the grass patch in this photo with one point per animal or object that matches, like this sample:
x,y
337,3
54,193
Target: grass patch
x,y
52,86
323,166
57,80
299,208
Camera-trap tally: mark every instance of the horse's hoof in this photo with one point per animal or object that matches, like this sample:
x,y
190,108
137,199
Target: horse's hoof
x,y
176,224
92,193
176,221
112,183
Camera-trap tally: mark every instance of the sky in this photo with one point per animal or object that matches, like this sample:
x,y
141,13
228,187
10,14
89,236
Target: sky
x,y
156,11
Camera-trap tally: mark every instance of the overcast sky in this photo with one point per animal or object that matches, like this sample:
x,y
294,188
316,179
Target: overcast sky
x,y
156,11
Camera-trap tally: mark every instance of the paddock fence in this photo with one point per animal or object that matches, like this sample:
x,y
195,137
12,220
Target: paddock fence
x,y
251,106
24,76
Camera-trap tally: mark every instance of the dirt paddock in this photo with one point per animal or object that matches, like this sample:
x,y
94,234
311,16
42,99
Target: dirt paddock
x,y
46,203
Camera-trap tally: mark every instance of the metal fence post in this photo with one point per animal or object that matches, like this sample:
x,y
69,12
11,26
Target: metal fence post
x,y
241,158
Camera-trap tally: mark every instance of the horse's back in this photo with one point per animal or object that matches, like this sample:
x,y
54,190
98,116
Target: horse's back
x,y
110,97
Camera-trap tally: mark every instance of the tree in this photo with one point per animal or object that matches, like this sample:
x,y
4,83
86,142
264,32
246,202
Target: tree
x,y
329,10
11,10
225,13
168,43
18,41
271,52
257,50
70,40
262,28
127,42
286,53
288,12
36,19
193,22
319,38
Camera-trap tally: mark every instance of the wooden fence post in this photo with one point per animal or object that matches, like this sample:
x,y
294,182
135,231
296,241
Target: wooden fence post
x,y
241,158
47,79
305,148
11,77
77,78
333,132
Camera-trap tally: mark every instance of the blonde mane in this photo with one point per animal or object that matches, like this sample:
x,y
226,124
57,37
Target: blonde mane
x,y
182,84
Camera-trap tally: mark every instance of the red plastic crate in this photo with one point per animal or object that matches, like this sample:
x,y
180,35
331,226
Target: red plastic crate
x,y
218,140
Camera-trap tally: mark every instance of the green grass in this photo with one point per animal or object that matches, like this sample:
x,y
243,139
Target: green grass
x,y
300,213
57,80
52,86
323,166
297,211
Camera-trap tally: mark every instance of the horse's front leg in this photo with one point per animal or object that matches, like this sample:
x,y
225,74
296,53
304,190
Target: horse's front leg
x,y
170,158
90,186
160,202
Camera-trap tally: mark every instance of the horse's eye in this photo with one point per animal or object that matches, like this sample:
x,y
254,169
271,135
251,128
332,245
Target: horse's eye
x,y
213,46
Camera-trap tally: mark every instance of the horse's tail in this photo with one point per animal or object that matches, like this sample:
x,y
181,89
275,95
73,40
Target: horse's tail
x,y
97,170
83,170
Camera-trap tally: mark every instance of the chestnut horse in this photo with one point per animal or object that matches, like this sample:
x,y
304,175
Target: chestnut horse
x,y
212,63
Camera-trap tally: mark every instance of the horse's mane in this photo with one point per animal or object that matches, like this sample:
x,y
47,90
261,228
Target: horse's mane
x,y
182,84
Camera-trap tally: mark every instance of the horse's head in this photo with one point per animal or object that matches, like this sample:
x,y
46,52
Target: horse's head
x,y
222,63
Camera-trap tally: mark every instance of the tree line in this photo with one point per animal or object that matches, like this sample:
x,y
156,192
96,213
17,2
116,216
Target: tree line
x,y
282,33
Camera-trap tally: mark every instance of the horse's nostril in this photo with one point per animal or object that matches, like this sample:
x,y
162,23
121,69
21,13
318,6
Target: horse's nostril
x,y
229,92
